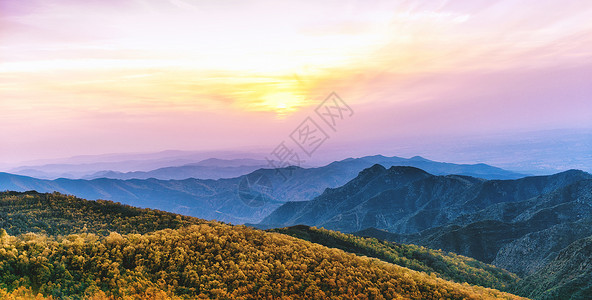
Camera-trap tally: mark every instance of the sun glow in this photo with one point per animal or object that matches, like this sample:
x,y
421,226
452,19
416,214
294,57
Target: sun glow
x,y
282,103
118,57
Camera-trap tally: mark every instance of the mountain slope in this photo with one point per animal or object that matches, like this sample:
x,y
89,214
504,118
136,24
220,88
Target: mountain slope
x,y
568,276
533,251
204,260
525,236
446,265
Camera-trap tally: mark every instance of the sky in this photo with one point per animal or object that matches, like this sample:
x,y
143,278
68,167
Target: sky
x,y
92,77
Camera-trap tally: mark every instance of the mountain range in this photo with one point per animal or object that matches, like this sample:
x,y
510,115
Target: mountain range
x,y
221,199
125,166
408,200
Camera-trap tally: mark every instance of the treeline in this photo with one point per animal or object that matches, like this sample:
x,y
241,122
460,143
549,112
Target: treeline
x,y
56,214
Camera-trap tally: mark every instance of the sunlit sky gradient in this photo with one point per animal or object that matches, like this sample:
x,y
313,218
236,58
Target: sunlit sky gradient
x,y
89,77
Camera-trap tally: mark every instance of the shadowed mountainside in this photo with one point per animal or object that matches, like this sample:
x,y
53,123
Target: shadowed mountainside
x,y
409,200
568,276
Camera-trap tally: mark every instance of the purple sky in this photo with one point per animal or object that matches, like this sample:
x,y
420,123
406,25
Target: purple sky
x,y
90,77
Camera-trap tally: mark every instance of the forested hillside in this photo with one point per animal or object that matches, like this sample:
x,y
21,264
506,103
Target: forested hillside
x,y
446,265
198,259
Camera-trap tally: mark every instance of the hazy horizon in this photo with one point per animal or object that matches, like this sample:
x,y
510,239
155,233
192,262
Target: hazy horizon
x,y
556,151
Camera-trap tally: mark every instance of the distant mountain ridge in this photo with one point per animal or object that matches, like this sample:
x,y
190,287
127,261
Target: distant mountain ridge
x,y
212,168
81,166
220,199
216,168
